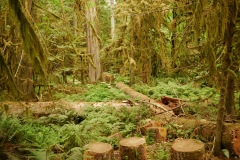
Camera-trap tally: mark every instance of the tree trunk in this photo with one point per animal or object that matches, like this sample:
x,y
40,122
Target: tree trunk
x,y
92,41
229,103
226,95
112,6
230,94
173,37
23,71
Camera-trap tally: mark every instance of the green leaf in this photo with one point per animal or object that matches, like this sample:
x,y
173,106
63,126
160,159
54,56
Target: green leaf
x,y
226,153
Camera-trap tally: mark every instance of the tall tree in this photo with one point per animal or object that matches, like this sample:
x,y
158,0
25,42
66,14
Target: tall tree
x,y
93,41
112,6
217,21
22,50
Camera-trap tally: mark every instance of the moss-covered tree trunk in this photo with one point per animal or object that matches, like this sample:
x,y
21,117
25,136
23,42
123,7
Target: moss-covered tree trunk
x,y
226,81
32,55
92,41
24,74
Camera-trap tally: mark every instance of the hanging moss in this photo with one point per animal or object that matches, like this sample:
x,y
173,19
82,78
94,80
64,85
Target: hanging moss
x,y
32,44
5,70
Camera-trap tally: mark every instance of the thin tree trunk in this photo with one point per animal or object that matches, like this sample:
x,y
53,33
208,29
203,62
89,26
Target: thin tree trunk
x,y
219,126
225,83
92,41
230,94
173,39
112,5
229,103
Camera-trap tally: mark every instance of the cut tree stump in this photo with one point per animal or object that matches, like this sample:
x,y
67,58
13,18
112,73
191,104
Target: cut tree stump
x,y
144,99
151,123
187,149
98,151
133,148
159,133
205,130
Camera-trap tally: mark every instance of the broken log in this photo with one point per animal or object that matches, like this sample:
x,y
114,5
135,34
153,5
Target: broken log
x,y
175,104
143,98
133,148
98,151
188,149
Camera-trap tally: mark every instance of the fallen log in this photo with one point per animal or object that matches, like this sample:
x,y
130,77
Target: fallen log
x,y
143,98
38,109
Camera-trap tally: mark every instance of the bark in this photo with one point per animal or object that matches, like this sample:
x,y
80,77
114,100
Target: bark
x,y
133,148
32,44
143,98
230,94
229,103
173,38
34,49
92,41
219,126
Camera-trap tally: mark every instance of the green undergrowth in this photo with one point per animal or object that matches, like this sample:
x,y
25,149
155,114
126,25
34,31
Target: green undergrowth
x,y
94,93
202,100
60,136
172,88
160,151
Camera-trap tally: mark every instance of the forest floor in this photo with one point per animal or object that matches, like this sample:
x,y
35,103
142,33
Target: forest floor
x,y
156,151
73,116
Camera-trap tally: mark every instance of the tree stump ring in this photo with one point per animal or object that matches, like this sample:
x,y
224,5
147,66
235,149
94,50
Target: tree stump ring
x,y
187,149
98,151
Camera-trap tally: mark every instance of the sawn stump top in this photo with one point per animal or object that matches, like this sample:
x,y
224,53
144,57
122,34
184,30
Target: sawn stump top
x,y
132,142
187,145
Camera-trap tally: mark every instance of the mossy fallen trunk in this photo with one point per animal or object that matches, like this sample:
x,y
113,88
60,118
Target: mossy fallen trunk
x,y
144,99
